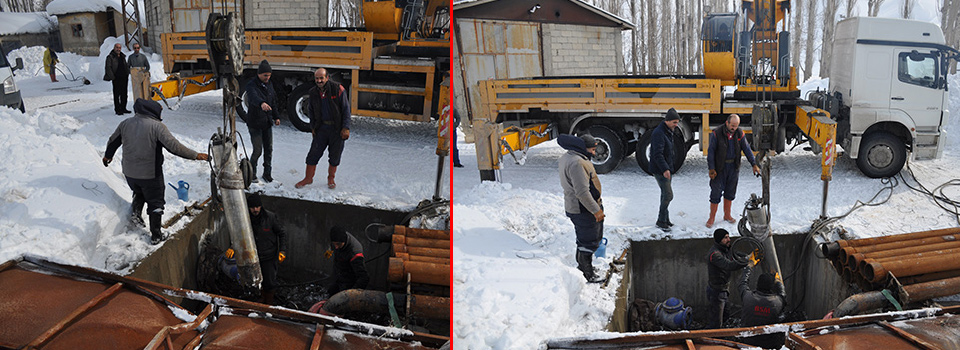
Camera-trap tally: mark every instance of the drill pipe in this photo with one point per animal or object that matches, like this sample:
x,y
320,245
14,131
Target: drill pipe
x,y
421,242
846,252
429,259
375,302
858,258
928,277
237,216
915,256
421,251
896,238
876,272
929,290
421,233
420,272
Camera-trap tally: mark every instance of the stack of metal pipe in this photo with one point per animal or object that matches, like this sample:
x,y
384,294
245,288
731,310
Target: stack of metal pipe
x,y
422,253
912,258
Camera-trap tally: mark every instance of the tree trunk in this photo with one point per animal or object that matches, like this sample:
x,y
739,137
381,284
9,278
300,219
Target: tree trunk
x,y
873,7
795,37
653,64
634,43
811,36
829,23
851,6
907,10
951,27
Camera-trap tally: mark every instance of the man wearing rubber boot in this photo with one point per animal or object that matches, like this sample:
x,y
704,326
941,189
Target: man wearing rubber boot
x,y
347,261
329,112
142,137
271,244
727,142
581,198
762,306
719,265
261,117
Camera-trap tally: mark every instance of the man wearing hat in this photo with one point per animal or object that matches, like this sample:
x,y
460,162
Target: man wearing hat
x,y
762,306
661,164
261,117
141,137
727,142
719,265
347,261
271,243
581,198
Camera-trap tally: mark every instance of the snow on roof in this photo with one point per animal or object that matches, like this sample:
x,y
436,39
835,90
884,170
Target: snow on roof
x,y
462,4
26,22
62,7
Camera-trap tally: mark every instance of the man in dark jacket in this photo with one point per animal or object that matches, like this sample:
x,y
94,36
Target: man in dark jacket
x,y
454,152
727,142
117,71
581,198
329,111
143,138
261,117
661,164
347,261
762,307
271,244
719,265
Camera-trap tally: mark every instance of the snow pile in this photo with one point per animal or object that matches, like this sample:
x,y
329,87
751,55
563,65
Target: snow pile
x,y
26,22
62,7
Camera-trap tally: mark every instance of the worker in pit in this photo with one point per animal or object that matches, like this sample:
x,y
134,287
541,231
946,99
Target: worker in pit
x,y
261,117
347,261
142,137
271,241
329,112
581,198
720,264
727,143
762,306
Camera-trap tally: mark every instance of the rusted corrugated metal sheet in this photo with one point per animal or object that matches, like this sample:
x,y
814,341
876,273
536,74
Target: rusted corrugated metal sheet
x,y
44,305
942,332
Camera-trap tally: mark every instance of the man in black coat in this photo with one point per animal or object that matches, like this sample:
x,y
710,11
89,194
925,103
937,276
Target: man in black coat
x,y
116,70
720,264
261,117
762,306
271,241
661,164
329,111
347,261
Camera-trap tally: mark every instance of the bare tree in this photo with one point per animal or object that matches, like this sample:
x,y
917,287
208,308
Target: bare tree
x,y
795,35
345,13
950,23
851,8
811,37
652,34
22,5
829,23
634,43
907,10
873,7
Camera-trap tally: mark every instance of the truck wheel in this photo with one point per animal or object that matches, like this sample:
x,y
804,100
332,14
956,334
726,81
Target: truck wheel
x,y
643,152
242,107
23,109
881,155
297,107
609,149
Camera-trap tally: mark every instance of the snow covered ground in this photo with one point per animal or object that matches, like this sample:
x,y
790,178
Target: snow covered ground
x,y
58,200
515,277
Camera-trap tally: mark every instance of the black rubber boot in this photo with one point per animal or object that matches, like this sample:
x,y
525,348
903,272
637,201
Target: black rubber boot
x,y
585,265
136,212
267,173
155,235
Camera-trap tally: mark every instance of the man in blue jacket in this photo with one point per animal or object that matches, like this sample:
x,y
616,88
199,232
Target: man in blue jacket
x,y
661,164
261,117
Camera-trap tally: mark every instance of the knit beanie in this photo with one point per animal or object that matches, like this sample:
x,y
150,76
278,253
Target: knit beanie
x,y
338,234
719,234
264,67
253,200
765,283
588,141
672,115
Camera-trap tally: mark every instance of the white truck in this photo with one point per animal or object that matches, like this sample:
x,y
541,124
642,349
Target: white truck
x,y
11,93
888,91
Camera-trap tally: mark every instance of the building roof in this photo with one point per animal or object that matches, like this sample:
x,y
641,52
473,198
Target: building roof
x,y
63,7
537,11
12,23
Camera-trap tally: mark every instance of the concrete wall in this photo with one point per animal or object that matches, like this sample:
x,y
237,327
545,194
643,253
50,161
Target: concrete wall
x,y
658,270
264,14
94,31
581,50
307,225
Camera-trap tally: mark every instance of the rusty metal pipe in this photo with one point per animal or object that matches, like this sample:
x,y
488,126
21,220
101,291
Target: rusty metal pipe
x,y
429,259
876,272
915,256
860,303
235,212
421,233
903,252
897,238
376,302
929,290
830,249
847,251
420,272
421,251
421,242
928,277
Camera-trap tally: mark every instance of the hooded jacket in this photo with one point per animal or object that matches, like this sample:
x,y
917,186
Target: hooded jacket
x,y
143,138
762,308
348,264
578,178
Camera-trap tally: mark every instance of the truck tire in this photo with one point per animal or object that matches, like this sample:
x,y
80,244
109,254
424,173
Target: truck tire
x,y
609,149
242,108
23,109
297,107
881,155
643,152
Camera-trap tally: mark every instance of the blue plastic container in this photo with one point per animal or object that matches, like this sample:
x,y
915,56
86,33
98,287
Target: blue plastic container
x,y
183,192
602,249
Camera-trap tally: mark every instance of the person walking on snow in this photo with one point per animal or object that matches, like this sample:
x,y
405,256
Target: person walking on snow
x,y
329,112
116,70
261,117
720,264
50,61
143,137
727,142
661,164
581,198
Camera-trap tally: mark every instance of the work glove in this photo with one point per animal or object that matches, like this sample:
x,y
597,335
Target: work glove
x,y
106,161
203,156
228,253
328,254
282,257
713,174
752,259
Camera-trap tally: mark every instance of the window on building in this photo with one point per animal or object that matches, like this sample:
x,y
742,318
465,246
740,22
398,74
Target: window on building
x,y
77,30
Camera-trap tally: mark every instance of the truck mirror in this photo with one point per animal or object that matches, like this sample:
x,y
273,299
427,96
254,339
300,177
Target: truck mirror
x,y
916,56
19,64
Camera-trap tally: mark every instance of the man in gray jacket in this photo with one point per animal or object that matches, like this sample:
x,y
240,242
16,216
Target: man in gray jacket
x,y
142,137
581,198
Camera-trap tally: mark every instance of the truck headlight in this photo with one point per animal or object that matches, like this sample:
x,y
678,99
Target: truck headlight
x,y
9,86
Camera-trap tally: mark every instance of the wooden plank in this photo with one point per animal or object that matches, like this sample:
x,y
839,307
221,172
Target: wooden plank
x,y
690,345
50,333
317,337
802,343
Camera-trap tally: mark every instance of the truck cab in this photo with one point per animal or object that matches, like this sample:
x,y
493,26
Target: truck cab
x,y
11,93
888,91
